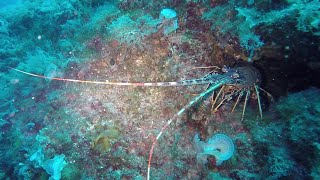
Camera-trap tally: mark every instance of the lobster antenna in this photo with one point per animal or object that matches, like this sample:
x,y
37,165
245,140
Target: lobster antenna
x,y
179,83
182,110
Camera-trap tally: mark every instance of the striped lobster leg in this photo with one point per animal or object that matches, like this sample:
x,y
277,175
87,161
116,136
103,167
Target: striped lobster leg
x,y
258,97
191,103
245,103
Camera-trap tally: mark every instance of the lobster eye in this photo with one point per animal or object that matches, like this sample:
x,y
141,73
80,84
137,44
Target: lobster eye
x,y
224,69
235,75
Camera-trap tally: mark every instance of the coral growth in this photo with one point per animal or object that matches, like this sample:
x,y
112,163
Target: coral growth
x,y
105,132
220,146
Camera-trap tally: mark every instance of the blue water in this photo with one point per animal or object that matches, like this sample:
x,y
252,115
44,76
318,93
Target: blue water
x,y
6,3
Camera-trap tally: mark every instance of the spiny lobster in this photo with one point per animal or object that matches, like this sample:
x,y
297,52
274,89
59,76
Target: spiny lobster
x,y
233,82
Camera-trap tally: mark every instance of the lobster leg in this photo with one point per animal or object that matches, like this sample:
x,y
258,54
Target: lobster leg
x,y
217,96
245,104
259,102
191,103
238,99
217,107
266,93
